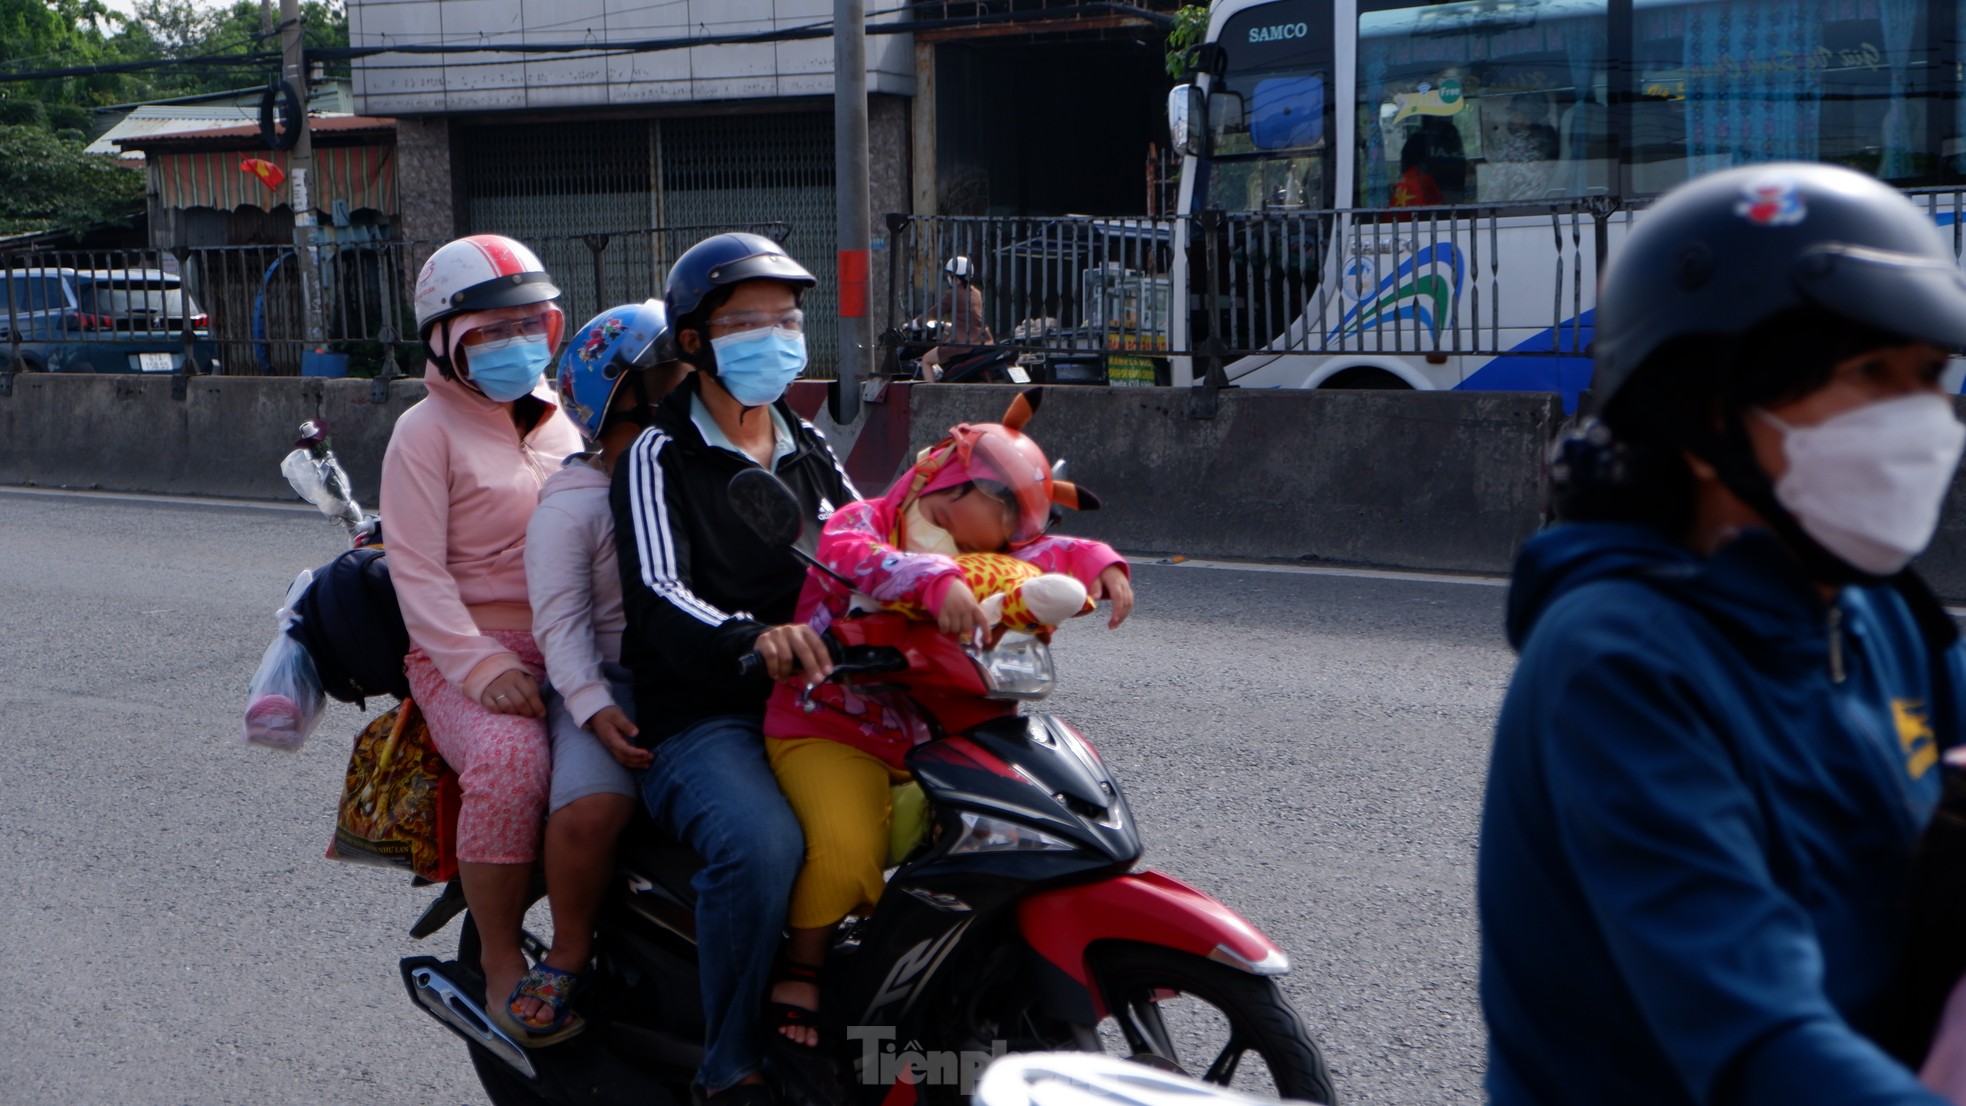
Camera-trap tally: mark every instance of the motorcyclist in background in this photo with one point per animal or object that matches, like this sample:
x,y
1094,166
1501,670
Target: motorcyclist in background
x,y
1722,741
961,307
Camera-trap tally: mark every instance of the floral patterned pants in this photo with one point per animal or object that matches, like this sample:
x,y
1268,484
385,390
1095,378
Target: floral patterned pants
x,y
504,762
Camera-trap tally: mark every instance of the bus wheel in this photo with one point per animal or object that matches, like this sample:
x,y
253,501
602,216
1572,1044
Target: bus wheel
x,y
1365,377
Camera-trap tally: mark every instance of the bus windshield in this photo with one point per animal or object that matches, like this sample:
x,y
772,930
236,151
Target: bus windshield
x,y
1270,111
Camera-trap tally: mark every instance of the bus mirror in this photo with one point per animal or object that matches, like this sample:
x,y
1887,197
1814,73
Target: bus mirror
x,y
1187,120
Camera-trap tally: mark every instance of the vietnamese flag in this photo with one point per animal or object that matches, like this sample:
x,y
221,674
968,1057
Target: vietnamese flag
x,y
269,174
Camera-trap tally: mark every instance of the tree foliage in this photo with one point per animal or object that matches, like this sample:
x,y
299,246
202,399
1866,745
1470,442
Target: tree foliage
x,y
175,29
47,183
1190,27
63,34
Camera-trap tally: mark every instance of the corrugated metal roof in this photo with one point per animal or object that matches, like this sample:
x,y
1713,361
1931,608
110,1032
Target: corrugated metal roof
x,y
247,136
156,119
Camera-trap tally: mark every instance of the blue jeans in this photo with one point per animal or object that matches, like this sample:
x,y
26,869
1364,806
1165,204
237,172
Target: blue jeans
x,y
711,787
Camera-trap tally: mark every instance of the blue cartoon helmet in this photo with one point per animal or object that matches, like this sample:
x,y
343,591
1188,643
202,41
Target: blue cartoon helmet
x,y
614,343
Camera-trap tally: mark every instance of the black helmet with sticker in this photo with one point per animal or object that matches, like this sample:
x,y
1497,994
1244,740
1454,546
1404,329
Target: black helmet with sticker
x,y
1723,254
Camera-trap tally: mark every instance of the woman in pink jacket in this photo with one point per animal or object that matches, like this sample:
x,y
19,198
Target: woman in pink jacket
x,y
459,484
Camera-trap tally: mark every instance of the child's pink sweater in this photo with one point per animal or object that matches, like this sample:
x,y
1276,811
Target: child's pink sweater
x,y
859,544
459,485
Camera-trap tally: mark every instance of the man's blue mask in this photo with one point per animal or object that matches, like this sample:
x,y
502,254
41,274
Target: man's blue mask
x,y
756,366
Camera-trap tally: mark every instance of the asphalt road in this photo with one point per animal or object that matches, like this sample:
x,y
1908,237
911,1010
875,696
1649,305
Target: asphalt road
x,y
1308,748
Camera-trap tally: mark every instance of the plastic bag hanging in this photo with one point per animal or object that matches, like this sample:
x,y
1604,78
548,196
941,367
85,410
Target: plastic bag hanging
x,y
284,702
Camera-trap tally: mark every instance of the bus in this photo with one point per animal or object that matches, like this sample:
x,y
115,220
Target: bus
x,y
1412,194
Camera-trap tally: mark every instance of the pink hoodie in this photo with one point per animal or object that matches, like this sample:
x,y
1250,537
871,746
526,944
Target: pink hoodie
x,y
458,486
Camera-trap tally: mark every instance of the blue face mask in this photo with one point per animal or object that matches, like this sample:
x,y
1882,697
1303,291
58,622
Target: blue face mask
x,y
756,366
510,371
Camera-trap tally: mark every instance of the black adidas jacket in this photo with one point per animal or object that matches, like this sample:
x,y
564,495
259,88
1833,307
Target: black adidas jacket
x,y
698,585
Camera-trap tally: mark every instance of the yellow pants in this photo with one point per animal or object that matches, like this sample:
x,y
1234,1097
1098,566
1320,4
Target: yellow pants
x,y
841,796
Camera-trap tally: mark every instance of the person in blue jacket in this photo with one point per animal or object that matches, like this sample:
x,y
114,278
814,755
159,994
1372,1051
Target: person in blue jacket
x,y
1723,738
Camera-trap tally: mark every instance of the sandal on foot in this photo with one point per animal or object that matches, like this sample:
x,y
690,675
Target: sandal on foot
x,y
785,1015
807,1067
552,986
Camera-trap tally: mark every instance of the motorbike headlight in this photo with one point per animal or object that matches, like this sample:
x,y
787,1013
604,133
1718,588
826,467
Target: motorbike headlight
x,y
1018,668
984,834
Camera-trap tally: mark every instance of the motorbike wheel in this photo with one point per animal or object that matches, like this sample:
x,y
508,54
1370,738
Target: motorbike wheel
x,y
503,1086
1182,1013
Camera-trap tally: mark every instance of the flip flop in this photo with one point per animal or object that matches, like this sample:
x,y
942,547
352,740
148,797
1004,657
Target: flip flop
x,y
552,986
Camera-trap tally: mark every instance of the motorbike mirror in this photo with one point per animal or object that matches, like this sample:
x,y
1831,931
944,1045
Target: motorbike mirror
x,y
773,513
768,507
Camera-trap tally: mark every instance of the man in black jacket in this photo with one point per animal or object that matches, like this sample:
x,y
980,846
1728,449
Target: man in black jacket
x,y
702,591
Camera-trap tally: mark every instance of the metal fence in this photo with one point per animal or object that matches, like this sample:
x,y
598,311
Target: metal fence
x,y
236,310
1458,280
1412,280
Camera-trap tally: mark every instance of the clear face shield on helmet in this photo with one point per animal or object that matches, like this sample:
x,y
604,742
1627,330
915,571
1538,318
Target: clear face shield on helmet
x,y
1010,467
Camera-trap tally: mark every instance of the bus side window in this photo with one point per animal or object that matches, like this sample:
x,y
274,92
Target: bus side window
x,y
1586,149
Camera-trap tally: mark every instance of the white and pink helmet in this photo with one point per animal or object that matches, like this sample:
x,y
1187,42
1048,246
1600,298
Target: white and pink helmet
x,y
479,273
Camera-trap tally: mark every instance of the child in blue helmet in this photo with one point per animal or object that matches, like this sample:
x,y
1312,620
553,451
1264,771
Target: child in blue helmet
x,y
575,589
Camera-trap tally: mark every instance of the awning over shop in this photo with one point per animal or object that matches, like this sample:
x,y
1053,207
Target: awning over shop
x,y
363,176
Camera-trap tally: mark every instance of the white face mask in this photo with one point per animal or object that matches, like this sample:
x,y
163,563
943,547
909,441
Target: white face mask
x,y
1867,484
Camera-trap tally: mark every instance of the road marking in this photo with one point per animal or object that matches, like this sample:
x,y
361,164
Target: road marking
x,y
175,500
1325,570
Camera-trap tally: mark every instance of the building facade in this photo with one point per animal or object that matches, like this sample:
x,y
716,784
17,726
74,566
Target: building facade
x,y
709,114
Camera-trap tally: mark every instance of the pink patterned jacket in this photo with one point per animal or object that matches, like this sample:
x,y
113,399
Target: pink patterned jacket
x,y
859,544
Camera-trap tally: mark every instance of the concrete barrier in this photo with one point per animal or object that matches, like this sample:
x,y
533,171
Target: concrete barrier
x,y
1433,480
1441,481
224,438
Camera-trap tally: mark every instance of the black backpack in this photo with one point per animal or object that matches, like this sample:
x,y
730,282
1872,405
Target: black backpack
x,y
351,625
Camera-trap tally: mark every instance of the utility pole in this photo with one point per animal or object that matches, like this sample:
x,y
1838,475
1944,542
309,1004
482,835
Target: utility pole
x,y
850,189
300,178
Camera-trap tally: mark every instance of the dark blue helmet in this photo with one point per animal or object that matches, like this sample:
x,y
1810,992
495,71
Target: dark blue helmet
x,y
1721,255
722,261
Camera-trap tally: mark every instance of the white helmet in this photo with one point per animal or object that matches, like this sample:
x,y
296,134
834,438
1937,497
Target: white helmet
x,y
958,267
479,273
1095,1079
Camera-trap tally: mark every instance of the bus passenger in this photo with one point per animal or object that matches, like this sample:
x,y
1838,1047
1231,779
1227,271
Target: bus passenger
x,y
1416,186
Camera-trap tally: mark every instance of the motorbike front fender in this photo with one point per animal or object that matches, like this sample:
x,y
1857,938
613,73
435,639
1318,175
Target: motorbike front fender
x,y
1061,926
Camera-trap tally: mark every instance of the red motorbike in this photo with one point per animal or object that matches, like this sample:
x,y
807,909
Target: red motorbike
x,y
1018,924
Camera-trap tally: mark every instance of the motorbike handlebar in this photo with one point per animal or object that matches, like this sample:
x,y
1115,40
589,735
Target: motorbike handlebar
x,y
846,662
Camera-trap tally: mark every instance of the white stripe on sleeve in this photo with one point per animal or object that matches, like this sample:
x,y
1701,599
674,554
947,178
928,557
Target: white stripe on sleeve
x,y
654,542
846,481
